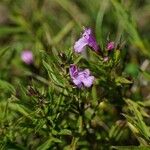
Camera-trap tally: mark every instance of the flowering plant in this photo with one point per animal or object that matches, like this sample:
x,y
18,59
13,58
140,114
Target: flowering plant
x,y
60,90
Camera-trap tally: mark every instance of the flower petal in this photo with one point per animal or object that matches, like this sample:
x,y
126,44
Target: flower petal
x,y
91,39
27,57
87,33
77,82
88,81
80,45
73,71
87,39
92,43
84,73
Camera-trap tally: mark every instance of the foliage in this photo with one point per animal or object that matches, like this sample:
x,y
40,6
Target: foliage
x,y
41,109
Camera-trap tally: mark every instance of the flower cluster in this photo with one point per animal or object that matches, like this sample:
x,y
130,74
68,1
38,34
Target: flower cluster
x,y
82,77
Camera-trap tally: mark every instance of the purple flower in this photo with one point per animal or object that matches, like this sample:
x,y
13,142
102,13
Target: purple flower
x,y
27,57
105,59
87,39
110,46
81,78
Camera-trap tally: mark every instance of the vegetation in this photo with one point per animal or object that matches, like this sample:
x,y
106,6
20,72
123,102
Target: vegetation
x,y
41,107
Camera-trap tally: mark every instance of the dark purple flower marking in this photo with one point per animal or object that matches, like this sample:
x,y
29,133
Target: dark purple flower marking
x,y
87,39
81,78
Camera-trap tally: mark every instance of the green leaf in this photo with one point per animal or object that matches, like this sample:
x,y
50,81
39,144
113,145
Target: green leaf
x,y
7,86
73,145
116,56
52,75
49,143
130,147
78,59
60,36
80,124
136,121
129,27
132,69
21,109
3,51
146,75
116,132
121,80
65,132
9,30
99,20
133,128
15,108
